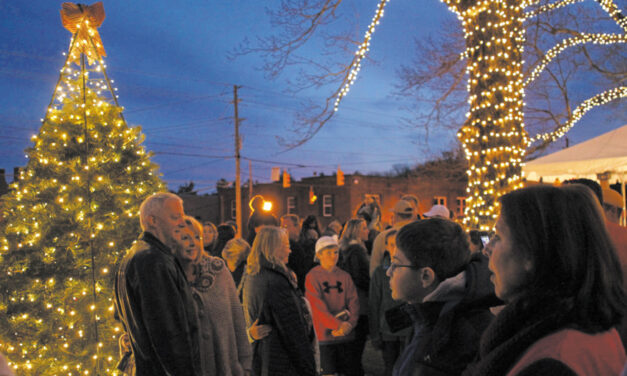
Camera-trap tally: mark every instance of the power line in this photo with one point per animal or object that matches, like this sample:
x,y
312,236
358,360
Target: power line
x,y
193,155
193,122
168,104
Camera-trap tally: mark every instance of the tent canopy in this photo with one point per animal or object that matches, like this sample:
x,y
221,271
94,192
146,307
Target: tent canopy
x,y
604,153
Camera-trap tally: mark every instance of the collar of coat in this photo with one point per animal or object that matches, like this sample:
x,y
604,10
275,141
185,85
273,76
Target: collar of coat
x,y
155,243
283,270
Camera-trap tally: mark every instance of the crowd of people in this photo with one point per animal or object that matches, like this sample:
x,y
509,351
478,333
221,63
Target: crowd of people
x,y
545,296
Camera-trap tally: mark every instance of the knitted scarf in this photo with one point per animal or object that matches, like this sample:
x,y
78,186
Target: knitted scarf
x,y
515,329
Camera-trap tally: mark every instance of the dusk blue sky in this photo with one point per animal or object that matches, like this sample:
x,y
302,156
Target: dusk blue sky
x,y
169,62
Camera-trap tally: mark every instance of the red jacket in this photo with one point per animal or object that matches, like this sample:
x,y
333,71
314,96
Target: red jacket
x,y
619,237
586,354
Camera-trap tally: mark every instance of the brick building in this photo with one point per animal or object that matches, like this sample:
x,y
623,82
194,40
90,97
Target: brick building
x,y
332,201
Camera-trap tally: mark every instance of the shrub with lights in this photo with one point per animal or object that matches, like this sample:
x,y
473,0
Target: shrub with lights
x,y
69,218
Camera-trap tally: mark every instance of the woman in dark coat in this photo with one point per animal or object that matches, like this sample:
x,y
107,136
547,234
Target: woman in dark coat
x,y
225,233
272,297
354,260
555,266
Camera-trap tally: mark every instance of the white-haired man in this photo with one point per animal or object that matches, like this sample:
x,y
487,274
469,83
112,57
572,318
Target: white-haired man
x,y
152,296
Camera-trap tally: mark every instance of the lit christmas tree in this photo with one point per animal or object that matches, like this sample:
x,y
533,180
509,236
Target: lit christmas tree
x,y
69,218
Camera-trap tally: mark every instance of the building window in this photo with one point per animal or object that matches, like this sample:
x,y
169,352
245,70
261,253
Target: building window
x,y
291,205
327,205
233,209
461,206
439,200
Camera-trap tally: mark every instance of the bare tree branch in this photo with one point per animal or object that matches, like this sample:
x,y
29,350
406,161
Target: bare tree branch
x,y
299,21
549,7
614,12
585,106
583,38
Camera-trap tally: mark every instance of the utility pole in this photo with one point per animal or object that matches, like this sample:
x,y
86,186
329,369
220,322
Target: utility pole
x,y
250,180
238,191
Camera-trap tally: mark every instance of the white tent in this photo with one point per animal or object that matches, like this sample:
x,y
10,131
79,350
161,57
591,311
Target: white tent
x,y
605,153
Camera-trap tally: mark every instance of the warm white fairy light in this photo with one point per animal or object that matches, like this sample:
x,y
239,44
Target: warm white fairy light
x,y
583,38
548,7
25,227
585,106
614,12
493,136
364,47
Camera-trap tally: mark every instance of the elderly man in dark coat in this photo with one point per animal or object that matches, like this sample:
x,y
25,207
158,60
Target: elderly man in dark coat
x,y
152,296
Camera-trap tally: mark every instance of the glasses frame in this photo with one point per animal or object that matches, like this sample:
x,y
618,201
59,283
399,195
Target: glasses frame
x,y
394,266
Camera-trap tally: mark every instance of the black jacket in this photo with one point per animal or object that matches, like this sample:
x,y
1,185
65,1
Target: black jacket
x,y
155,304
301,261
354,260
273,297
447,330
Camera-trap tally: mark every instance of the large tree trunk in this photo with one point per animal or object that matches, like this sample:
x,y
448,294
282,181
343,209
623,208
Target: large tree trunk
x,y
493,135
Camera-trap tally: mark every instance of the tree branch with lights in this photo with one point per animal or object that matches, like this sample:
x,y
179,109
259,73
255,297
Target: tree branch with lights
x,y
498,37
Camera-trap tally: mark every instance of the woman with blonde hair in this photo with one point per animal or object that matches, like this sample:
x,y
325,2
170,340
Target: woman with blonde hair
x,y
209,235
224,346
235,253
554,265
272,298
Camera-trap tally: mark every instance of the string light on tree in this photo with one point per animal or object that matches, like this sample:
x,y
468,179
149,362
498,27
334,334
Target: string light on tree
x,y
587,105
584,38
548,7
73,205
364,47
493,136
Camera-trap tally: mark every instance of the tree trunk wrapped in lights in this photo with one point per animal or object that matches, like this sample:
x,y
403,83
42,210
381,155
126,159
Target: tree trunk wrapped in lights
x,y
493,136
68,219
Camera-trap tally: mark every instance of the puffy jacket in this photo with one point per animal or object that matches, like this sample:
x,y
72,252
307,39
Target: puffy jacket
x,y
273,297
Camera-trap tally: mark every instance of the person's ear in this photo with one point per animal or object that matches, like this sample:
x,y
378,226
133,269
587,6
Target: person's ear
x,y
427,277
151,220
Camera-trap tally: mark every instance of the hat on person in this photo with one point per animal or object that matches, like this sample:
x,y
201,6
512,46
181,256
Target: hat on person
x,y
438,211
611,197
403,207
326,242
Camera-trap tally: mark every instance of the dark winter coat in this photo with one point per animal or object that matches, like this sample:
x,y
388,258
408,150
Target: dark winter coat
x,y
301,261
521,324
273,297
156,306
354,260
447,330
380,300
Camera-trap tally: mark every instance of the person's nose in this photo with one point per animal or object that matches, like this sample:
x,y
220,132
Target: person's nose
x,y
487,250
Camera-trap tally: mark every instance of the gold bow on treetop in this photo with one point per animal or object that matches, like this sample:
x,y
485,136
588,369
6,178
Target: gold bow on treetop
x,y
82,21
